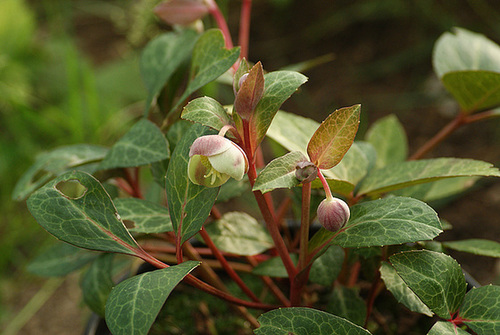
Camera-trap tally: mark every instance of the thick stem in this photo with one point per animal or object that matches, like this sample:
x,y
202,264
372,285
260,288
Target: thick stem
x,y
490,114
298,283
272,225
304,225
230,271
244,35
446,131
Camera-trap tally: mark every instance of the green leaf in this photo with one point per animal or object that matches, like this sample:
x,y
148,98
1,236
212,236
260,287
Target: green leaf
x,y
474,90
388,137
343,177
60,260
388,221
96,283
334,137
305,321
210,60
146,217
476,246
438,189
207,111
76,209
326,267
404,174
446,328
232,189
464,50
400,290
469,66
279,173
279,86
291,131
481,310
189,204
240,234
346,303
55,162
274,267
134,303
161,58
143,144
435,278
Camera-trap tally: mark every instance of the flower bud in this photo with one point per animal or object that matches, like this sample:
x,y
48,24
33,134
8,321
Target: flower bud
x,y
306,171
182,12
242,80
333,213
214,159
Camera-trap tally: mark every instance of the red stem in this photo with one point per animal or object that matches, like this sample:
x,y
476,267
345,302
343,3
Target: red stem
x,y
374,291
244,35
230,271
192,280
299,283
270,284
178,246
326,187
446,131
125,186
272,225
133,181
460,120
214,10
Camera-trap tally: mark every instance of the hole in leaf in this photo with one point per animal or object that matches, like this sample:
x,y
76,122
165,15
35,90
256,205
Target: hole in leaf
x,y
129,224
71,189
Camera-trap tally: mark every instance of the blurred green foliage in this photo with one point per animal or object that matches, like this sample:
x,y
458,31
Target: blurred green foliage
x,y
52,94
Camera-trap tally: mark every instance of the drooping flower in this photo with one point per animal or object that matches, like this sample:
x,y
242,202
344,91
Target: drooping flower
x,y
333,213
182,12
213,159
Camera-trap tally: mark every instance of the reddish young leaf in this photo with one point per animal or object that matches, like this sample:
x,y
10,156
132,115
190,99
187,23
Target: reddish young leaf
x,y
334,137
250,92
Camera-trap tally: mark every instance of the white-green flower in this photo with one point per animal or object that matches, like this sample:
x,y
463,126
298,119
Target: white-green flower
x,y
213,159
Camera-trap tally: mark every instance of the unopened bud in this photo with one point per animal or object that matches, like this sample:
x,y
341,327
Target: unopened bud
x,y
306,171
242,80
333,214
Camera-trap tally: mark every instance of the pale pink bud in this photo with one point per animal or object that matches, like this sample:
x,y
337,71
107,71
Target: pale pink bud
x,y
183,12
333,214
306,171
242,79
214,159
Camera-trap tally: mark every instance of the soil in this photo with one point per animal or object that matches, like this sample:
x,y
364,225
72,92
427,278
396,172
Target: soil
x,y
382,59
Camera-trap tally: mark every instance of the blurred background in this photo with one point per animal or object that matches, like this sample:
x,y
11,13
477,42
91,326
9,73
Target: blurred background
x,y
69,74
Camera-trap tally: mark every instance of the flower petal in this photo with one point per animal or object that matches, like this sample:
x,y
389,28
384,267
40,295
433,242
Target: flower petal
x,y
210,145
200,174
232,162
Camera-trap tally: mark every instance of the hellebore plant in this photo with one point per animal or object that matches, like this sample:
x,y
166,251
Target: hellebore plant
x,y
315,278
